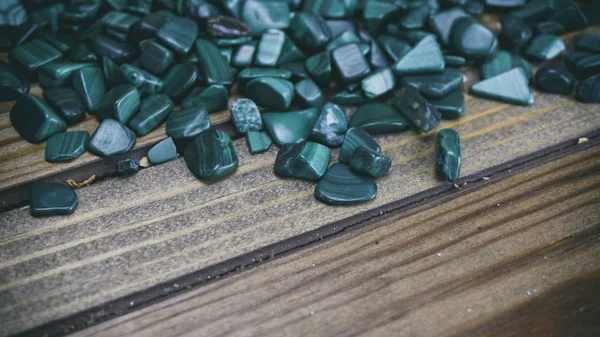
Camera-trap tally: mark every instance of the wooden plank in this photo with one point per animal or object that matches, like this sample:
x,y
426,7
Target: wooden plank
x,y
519,257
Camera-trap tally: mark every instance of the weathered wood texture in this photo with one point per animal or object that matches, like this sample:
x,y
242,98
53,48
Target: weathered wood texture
x,y
520,257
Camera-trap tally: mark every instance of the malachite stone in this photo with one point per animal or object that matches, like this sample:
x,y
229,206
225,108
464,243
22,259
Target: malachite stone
x,y
369,162
232,42
337,27
33,54
290,127
309,30
12,13
226,27
416,109
509,87
227,54
534,10
331,126
545,47
470,38
187,123
211,155
261,15
350,63
549,27
346,97
154,57
34,119
412,36
211,65
297,70
145,82
588,42
376,12
415,18
244,55
356,137
12,83
127,167
117,50
119,21
47,199
60,41
378,83
588,90
450,106
377,57
307,161
309,94
248,74
81,52
153,111
425,57
587,66
24,32
569,15
111,138
449,157
270,48
258,141
345,38
442,21
139,6
120,103
435,85
515,34
179,34
245,116
341,186
270,92
66,146
112,73
393,46
66,102
501,62
212,98
59,73
89,84
319,68
179,81
555,79
574,57
290,52
162,152
454,61
379,118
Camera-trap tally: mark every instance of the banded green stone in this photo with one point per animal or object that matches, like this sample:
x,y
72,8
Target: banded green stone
x,y
81,52
503,61
309,94
179,34
307,161
245,115
47,199
555,79
162,152
515,34
232,42
119,21
270,48
379,118
425,57
154,57
356,137
435,85
258,141
341,186
309,30
376,12
89,84
319,68
34,119
111,138
450,106
442,21
60,41
66,146
127,166
587,66
211,155
290,52
248,74
112,73
12,13
145,82
588,90
378,83
261,15
153,111
470,38
449,157
118,51
545,47
12,83
510,87
66,102
331,126
393,46
212,67
369,162
290,127
33,54
213,98
416,109
187,123
244,55
179,81
270,92
59,73
350,63
120,103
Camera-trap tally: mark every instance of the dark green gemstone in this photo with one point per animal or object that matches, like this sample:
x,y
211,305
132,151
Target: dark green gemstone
x,y
297,70
545,47
425,57
509,87
244,56
248,74
111,138
379,118
503,61
139,6
153,111
118,51
470,38
345,38
350,63
377,57
435,85
589,42
442,21
549,27
555,79
393,46
378,83
154,57
505,3
245,116
412,36
337,27
290,52
535,10
415,18
81,52
24,32
12,83
587,66
81,11
179,34
309,30
319,68
568,15
356,137
588,90
454,61
416,109
227,54
270,92
309,94
331,126
269,48
34,119
112,73
47,199
307,161
448,158
290,127
574,57
120,103
145,82
450,106
212,98
59,72
226,27
369,162
60,41
377,12
12,13
232,42
179,81
212,67
89,84
346,97
341,186
187,123
32,55
48,16
66,146
162,152
261,15
119,21
127,166
66,102
515,34
258,141
211,155
123,37
474,7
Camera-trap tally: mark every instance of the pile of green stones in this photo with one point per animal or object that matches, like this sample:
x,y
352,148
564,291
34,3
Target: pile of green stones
x,y
132,62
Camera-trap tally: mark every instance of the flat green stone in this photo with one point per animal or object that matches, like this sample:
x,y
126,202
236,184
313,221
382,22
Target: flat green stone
x,y
187,123
66,102
89,84
212,68
139,6
120,103
162,152
378,83
211,155
535,10
213,98
415,18
425,57
261,15
66,146
356,137
112,73
178,34
111,138
119,21
574,57
515,34
345,38
416,109
244,55
47,199
442,21
60,41
341,186
412,36
33,54
510,87
179,81
377,12
145,82
270,48
350,63
393,46
258,141
249,74
545,47
379,118
245,116
271,92
555,79
309,31
59,73
153,111
588,42
588,90
435,85
369,162
118,51
154,57
12,83
127,166
450,106
549,27
319,68
569,15
470,38
346,97
307,161
297,70
81,52
587,66
12,13
501,62
448,158
290,52
376,56
309,93
34,119
290,127
331,126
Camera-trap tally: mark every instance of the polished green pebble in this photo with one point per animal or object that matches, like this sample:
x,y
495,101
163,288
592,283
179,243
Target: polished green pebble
x,y
515,34
297,70
47,199
271,92
545,47
307,161
331,125
232,42
60,72
425,57
344,38
394,47
33,54
378,83
60,41
213,98
503,61
416,18
249,74
569,15
153,111
89,84
127,166
119,21
154,57
549,27
119,51
12,83
448,157
341,186
412,36
574,57
244,55
290,52
12,13
588,90
179,34
535,10
442,21
261,15
258,141
319,68
179,81
211,155
555,79
450,106
368,162
120,103
350,63
162,152
587,66
435,85
81,52
34,119
379,118
355,137
66,146
145,82
588,42
212,67
309,30
470,38
416,109
509,87
309,94
270,48
290,127
112,73
187,123
111,138
66,102
376,57
245,115
376,12
347,97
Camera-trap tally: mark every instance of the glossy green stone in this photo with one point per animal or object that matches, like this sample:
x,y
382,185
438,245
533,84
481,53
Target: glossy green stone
x,y
309,94
59,73
89,84
416,109
179,81
118,51
555,79
60,41
270,48
587,66
448,158
376,56
139,6
249,74
545,47
81,52
347,37
34,119
162,152
33,54
66,146
415,18
341,186
535,10
442,21
356,137
66,102
120,103
332,9
112,73
297,70
569,15
346,97
47,199
393,46
127,166
258,141
12,83
309,30
435,85
270,92
154,57
376,12
549,27
153,111
319,68
470,38
350,63
331,126
290,127
119,21
378,83
212,98
307,161
111,138
261,15
48,16
454,61
509,87
588,42
379,118
369,162
503,61
211,155
187,123
588,90
245,116
515,34
244,55
290,52
212,67
145,82
574,57
179,34
412,36
12,13
450,106
425,57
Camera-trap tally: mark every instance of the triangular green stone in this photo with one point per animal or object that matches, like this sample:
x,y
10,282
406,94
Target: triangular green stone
x,y
425,57
510,87
290,127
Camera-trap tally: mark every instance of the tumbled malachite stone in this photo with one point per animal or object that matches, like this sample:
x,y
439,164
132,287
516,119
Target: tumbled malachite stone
x,y
545,47
350,63
379,118
66,102
269,48
470,38
154,57
309,94
515,34
245,115
187,123
162,152
450,106
309,30
270,92
211,65
81,52
509,87
369,162
331,126
425,57
534,10
127,166
415,18
454,61
66,146
112,73
442,21
588,90
119,21
47,199
587,66
179,34
393,46
111,138
258,141
261,15
179,81
118,51
12,13
120,103
211,155
568,14
435,85
12,83
248,74
448,158
377,57
60,41
145,82
244,55
33,54
356,137
555,79
346,97
290,52
345,38
34,119
153,111
501,62
376,12
226,27
290,127
416,109
378,83
60,72
213,98
307,161
550,27
89,84
589,42
341,186
319,68
297,70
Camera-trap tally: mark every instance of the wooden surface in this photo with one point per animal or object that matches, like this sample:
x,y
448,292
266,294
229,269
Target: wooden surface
x,y
520,257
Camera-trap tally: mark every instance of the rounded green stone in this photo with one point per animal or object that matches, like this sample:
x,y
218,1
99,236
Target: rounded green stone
x,y
34,119
450,106
319,68
341,186
211,155
153,111
66,102
187,123
270,92
379,118
162,152
449,158
356,137
120,103
154,57
111,138
545,47
290,127
270,48
378,83
213,98
309,30
309,93
262,15
416,109
470,38
331,126
89,84
304,161
248,74
179,81
369,162
179,34
435,85
47,199
258,141
12,83
141,79
127,166
588,90
556,79
66,146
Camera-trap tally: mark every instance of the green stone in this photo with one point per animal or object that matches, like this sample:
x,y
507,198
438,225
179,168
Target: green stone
x,y
341,186
145,82
232,42
415,18
379,118
535,10
425,57
12,83
450,106
212,68
356,137
377,12
127,166
506,3
213,98
344,38
248,74
297,70
515,34
34,119
211,155
574,57
118,51
258,141
226,27
503,61
290,127
416,109
112,73
154,57
350,63
153,111
346,97
377,57
549,27
290,52
227,54
555,79
470,38
120,103
588,90
319,68
244,55
47,199
270,92
179,34
369,162
435,85
179,81
448,158
393,46
378,83
510,87
454,61
310,31
412,36
66,102
261,15
60,41
568,15
307,161
442,21
89,84
119,21
545,47
187,123
270,48
81,52
309,94
139,6
587,66
474,7
331,126
66,146
111,138
33,54
589,42
245,116
162,152
12,13
59,73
